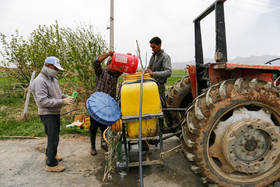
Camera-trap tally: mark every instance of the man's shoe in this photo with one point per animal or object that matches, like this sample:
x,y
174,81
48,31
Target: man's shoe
x,y
57,168
58,158
93,152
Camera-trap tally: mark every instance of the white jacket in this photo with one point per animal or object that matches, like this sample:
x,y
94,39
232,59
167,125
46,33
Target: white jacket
x,y
47,94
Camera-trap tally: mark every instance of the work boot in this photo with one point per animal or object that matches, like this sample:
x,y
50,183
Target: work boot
x,y
58,158
57,168
93,151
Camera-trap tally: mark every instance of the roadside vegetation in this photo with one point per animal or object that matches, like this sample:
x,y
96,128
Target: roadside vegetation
x,y
12,99
76,49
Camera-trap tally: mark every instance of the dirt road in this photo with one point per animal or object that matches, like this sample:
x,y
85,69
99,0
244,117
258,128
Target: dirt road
x,y
22,164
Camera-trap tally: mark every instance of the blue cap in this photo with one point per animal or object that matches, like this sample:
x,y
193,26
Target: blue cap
x,y
103,108
54,61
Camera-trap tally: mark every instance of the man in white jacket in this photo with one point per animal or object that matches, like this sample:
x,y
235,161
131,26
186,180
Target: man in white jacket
x,y
49,99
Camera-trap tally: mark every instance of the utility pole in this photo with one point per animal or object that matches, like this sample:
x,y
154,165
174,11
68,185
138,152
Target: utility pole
x,y
112,26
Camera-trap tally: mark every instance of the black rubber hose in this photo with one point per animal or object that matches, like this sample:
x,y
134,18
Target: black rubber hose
x,y
140,132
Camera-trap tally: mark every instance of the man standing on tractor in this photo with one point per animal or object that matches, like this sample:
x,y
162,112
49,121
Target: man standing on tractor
x,y
106,82
159,66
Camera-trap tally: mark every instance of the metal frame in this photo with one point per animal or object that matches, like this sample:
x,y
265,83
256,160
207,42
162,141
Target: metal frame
x,y
221,47
153,141
126,141
204,75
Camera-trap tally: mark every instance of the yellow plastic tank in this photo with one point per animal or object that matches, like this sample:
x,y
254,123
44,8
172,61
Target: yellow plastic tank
x,y
130,96
130,104
149,128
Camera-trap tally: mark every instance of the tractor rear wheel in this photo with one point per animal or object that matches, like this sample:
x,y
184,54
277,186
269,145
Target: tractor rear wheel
x,y
179,96
231,133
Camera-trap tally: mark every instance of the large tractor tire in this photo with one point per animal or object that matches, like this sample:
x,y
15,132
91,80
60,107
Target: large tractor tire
x,y
179,96
231,134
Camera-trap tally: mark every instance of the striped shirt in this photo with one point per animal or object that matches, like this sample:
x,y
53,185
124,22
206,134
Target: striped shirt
x,y
105,81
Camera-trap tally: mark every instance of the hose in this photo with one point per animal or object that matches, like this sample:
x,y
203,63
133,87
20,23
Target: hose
x,y
104,137
70,111
110,155
140,132
117,127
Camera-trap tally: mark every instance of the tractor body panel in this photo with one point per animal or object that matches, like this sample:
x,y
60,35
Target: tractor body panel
x,y
218,72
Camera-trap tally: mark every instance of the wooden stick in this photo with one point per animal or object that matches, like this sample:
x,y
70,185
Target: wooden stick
x,y
139,55
28,95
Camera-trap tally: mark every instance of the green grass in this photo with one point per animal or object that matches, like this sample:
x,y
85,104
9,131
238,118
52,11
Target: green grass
x,y
12,99
32,127
12,127
176,75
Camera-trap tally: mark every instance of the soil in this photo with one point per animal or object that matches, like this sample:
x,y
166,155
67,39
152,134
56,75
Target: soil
x,y
22,164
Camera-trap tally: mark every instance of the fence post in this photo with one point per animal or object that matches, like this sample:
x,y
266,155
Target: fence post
x,y
28,95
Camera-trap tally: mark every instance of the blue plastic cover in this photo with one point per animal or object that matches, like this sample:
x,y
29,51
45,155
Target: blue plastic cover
x,y
103,108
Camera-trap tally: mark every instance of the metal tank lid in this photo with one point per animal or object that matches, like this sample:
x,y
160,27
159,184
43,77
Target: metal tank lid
x,y
103,108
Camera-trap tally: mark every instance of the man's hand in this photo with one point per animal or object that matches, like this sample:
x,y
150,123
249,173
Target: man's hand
x,y
149,71
110,53
105,55
68,100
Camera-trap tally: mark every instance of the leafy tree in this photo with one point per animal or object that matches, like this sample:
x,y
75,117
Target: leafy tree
x,y
83,47
15,56
76,49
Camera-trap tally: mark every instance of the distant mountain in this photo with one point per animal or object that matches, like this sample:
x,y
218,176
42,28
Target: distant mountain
x,y
256,60
181,65
244,60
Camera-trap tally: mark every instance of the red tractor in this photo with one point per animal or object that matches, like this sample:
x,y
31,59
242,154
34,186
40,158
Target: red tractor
x,y
231,129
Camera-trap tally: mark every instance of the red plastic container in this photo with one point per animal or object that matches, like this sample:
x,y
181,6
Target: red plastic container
x,y
124,63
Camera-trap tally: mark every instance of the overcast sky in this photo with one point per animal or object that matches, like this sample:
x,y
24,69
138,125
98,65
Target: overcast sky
x,y
252,26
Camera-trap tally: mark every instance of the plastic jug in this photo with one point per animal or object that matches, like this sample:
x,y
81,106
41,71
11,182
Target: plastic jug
x,y
124,63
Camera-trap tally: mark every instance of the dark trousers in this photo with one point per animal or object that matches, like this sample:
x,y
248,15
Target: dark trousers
x,y
52,129
161,88
93,130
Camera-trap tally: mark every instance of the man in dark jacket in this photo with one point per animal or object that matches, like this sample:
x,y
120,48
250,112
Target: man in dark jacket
x,y
160,69
49,99
106,81
159,66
